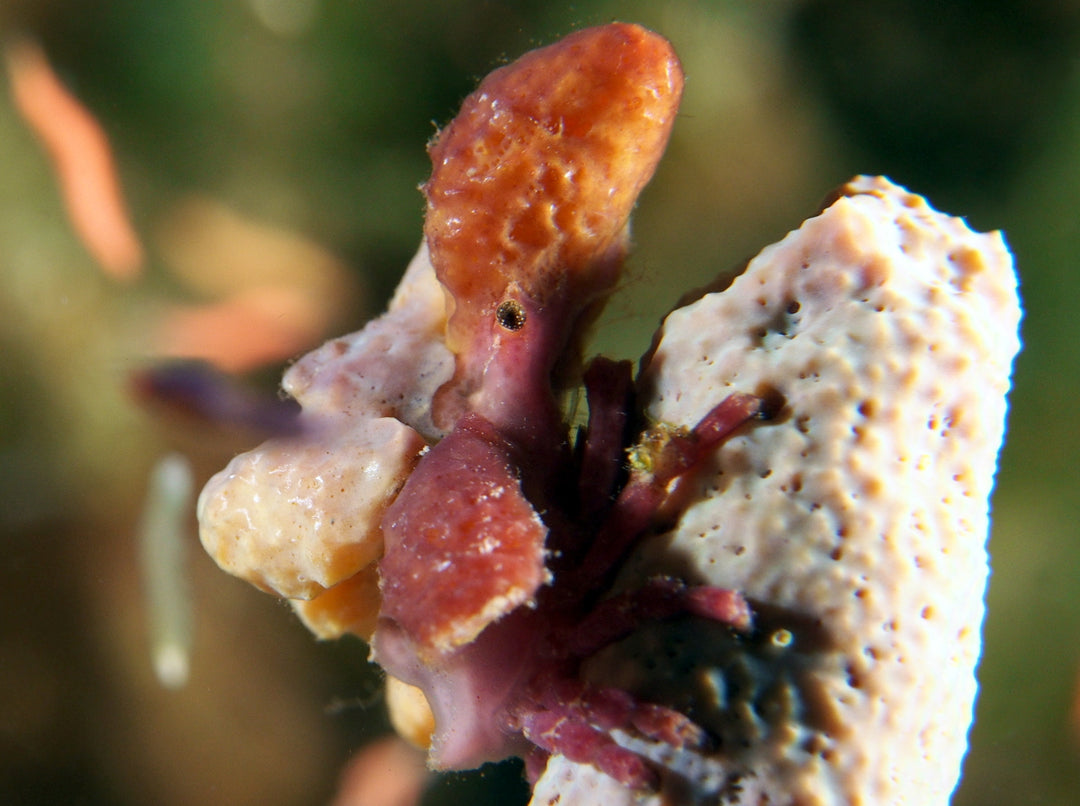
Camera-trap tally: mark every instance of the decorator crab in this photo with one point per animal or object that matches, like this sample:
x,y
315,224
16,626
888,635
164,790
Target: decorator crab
x,y
528,582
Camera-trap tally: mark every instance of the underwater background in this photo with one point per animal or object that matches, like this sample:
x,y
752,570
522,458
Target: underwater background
x,y
269,154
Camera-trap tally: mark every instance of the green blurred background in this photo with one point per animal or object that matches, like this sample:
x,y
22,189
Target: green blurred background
x,y
311,117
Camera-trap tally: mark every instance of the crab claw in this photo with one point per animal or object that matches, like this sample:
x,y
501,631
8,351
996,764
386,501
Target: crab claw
x,y
463,544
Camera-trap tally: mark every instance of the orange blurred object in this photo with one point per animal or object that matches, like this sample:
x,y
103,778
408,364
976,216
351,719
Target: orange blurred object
x,y
81,157
387,772
257,327
271,293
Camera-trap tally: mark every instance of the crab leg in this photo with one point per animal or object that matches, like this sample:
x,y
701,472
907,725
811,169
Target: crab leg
x,y
618,616
663,455
609,388
562,733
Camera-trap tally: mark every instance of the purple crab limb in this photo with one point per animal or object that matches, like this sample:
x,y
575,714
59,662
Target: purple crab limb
x,y
619,615
661,456
609,387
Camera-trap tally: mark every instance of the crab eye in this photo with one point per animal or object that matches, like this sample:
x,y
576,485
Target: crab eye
x,y
510,315
781,639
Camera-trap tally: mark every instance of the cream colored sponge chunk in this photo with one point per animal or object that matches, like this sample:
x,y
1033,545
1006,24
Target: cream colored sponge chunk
x,y
855,522
292,518
298,516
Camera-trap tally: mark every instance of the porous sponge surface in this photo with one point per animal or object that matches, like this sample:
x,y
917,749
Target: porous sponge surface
x,y
857,519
